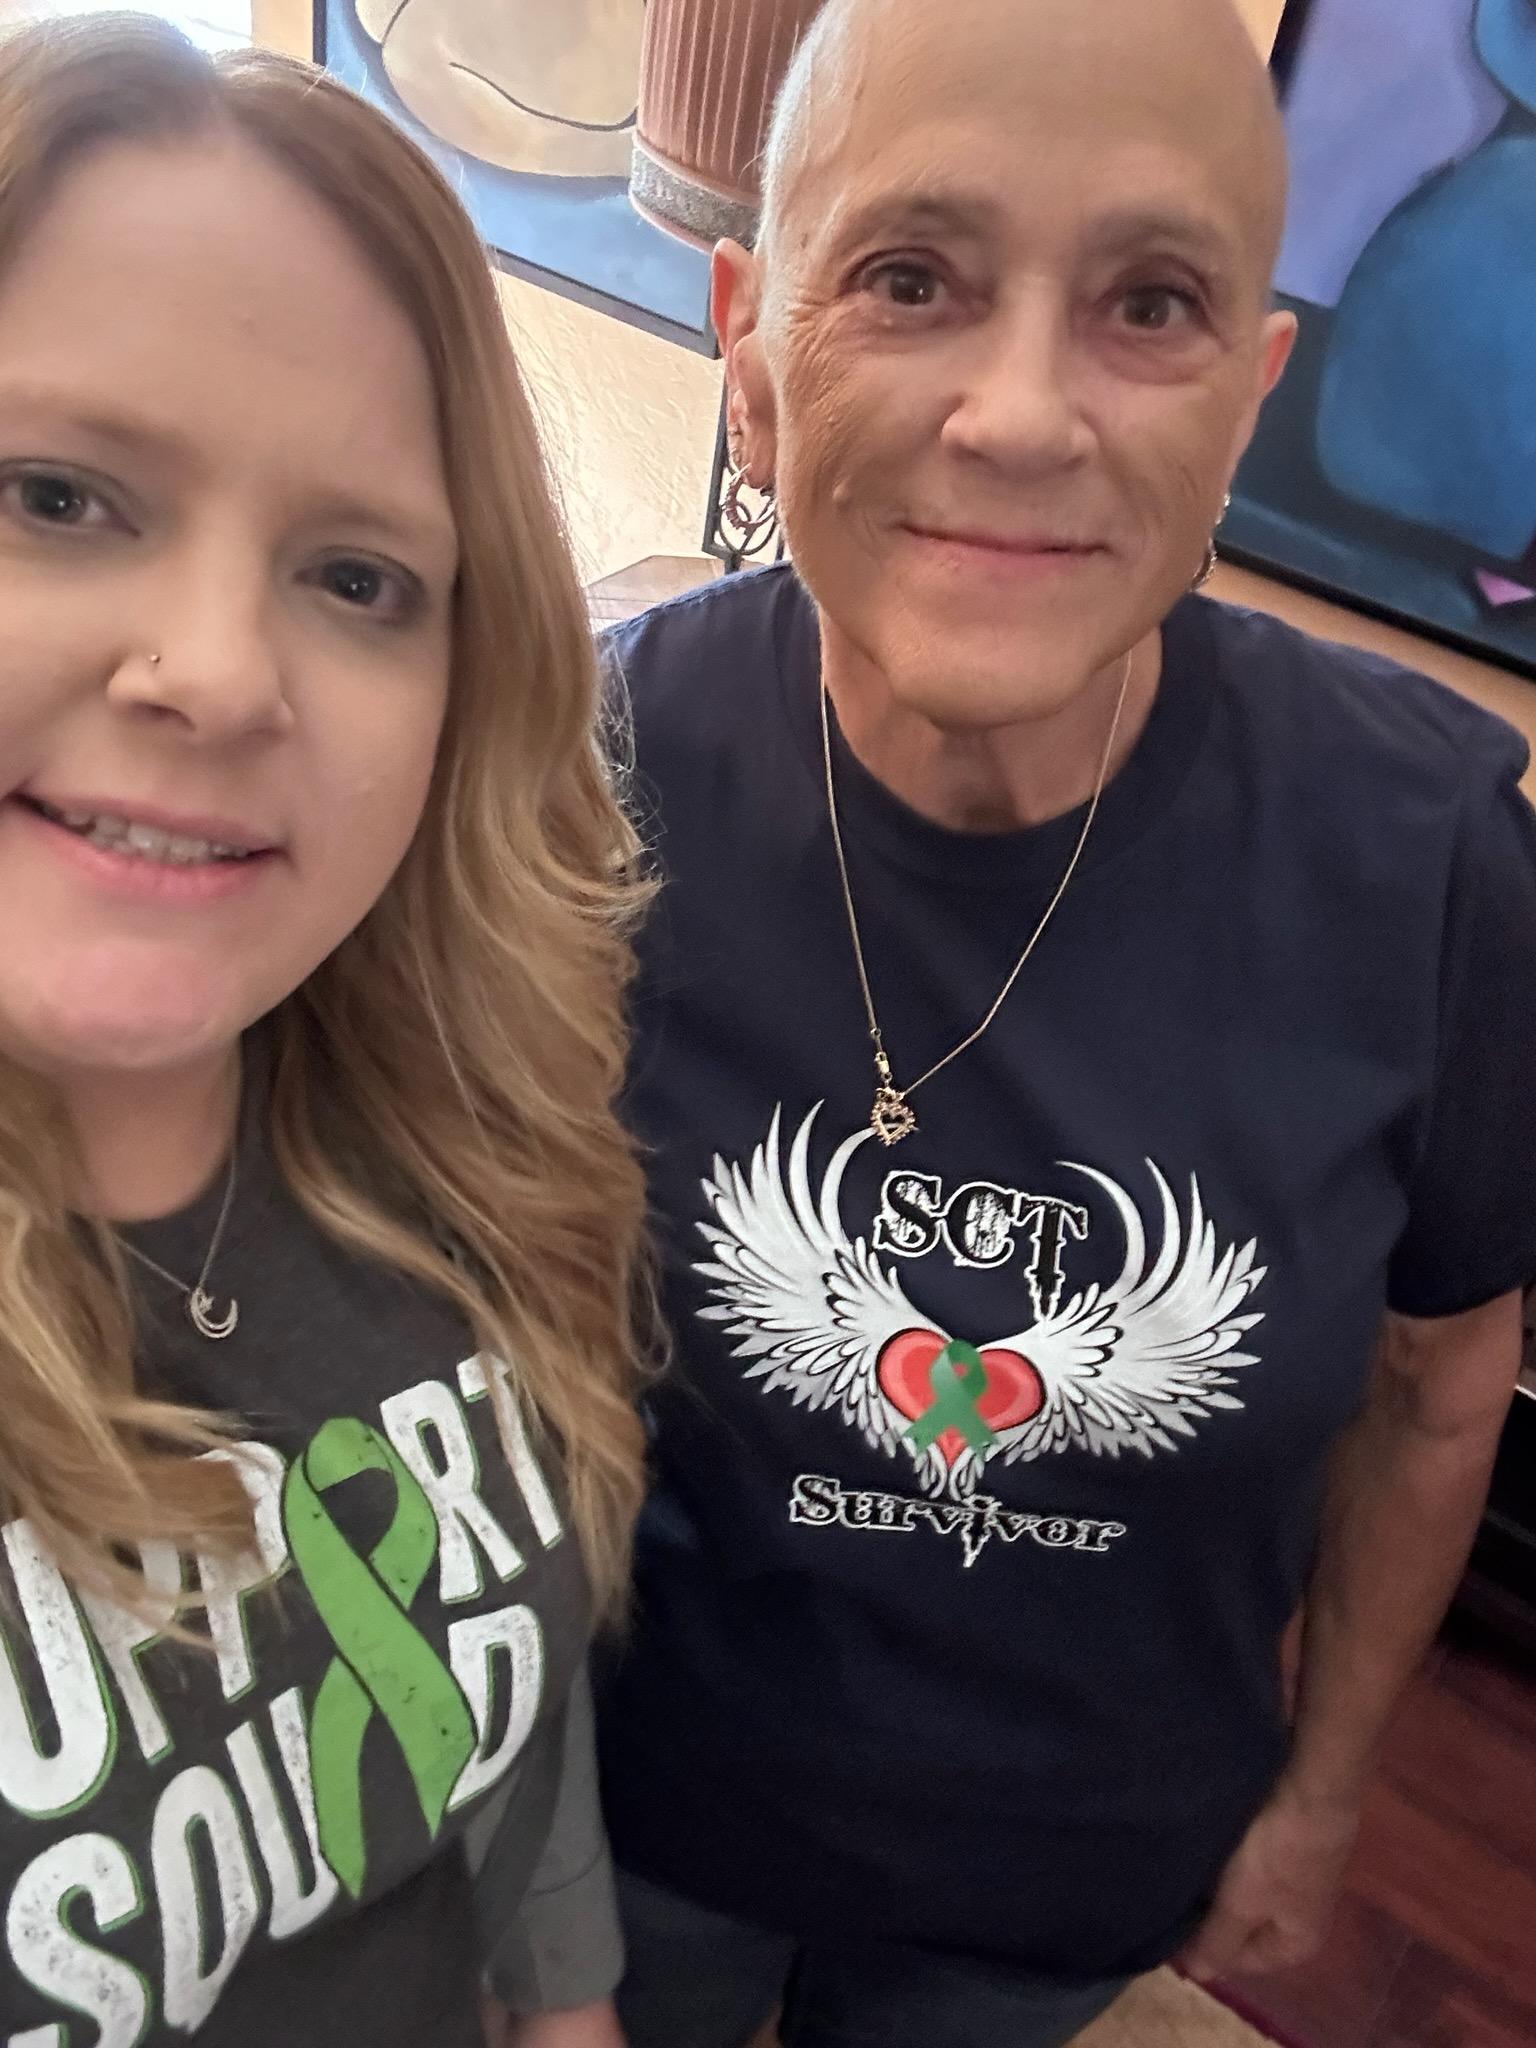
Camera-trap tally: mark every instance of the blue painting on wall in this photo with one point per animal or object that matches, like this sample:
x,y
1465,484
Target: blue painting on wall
x,y
1396,465
529,106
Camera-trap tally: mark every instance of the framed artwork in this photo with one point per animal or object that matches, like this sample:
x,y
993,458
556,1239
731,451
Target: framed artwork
x,y
529,106
1395,468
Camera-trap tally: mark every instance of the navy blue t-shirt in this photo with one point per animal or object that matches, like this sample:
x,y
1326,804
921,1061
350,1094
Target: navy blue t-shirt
x,y
988,1473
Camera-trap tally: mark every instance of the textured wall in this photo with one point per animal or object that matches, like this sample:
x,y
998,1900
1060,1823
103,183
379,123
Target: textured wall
x,y
629,423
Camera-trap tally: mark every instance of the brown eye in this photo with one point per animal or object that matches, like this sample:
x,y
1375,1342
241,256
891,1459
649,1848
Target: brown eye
x,y
390,596
1154,309
357,583
51,497
906,284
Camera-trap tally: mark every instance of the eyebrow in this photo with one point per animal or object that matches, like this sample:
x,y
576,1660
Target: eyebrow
x,y
955,213
394,523
98,426
960,214
397,522
1136,226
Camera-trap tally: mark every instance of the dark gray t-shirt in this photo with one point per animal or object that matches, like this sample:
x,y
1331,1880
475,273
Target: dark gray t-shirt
x,y
377,1781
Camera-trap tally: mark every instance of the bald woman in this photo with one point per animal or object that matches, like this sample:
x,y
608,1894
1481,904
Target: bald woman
x,y
1086,1063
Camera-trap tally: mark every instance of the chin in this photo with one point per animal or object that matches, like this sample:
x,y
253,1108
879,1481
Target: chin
x,y
977,674
95,1020
982,695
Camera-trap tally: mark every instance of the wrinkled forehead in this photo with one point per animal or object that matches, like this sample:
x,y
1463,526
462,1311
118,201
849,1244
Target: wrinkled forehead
x,y
1048,125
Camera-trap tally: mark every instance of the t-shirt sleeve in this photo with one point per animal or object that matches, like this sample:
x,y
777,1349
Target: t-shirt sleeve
x,y
1471,1232
559,1947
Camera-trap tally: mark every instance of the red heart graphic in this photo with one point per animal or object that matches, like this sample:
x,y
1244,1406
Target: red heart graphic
x,y
1015,1391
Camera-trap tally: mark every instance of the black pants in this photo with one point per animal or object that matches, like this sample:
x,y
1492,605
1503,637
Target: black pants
x,y
697,1979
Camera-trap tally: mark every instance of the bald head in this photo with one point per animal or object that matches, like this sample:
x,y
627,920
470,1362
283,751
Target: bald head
x,y
1007,336
1187,70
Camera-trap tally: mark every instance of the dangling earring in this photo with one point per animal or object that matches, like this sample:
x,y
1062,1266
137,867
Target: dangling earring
x,y
749,532
1208,566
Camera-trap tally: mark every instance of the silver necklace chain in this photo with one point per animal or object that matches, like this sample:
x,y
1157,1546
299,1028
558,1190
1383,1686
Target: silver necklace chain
x,y
893,1117
201,1306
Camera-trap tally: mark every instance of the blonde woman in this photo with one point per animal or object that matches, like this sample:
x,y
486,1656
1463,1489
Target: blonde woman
x,y
316,1228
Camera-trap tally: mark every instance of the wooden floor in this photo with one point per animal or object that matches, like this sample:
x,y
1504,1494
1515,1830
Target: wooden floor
x,y
1436,1946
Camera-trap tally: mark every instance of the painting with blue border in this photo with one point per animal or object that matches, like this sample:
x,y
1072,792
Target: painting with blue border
x,y
529,106
1396,465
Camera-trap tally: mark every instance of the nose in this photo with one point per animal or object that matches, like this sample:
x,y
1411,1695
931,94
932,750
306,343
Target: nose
x,y
206,653
1018,409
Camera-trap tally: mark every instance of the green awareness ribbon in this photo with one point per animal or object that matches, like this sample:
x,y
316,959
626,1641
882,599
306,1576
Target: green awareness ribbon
x,y
384,1663
958,1379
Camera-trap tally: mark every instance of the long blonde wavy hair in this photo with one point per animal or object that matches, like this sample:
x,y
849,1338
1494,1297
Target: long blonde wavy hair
x,y
443,1086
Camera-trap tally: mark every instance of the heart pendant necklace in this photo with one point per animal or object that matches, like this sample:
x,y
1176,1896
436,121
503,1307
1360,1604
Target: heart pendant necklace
x,y
893,1118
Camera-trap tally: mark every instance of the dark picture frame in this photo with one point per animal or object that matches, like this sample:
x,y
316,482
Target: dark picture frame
x,y
576,236
1395,468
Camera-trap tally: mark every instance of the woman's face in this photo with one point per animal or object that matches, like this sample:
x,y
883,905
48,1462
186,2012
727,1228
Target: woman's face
x,y
1018,344
227,560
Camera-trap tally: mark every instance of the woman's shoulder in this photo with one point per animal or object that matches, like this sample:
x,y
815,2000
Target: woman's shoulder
x,y
1343,713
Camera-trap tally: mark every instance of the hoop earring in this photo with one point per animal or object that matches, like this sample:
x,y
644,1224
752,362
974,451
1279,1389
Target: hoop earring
x,y
1208,566
749,532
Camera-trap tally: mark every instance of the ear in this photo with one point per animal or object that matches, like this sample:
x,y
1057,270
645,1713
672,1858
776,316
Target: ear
x,y
735,305
1275,345
1279,340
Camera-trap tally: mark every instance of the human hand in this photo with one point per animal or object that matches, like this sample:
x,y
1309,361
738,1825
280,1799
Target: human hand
x,y
1278,1893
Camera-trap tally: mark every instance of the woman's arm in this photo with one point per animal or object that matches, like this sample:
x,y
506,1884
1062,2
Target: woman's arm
x,y
556,1954
1406,1490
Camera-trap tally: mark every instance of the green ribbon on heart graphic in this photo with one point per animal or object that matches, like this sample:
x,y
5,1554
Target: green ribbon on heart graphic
x,y
958,1378
384,1665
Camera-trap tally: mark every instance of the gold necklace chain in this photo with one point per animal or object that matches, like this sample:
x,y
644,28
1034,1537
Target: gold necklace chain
x,y
199,1302
893,1117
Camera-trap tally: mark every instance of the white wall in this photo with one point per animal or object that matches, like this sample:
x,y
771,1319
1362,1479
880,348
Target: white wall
x,y
629,424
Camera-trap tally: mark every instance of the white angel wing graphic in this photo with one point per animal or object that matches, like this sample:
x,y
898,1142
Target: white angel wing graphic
x,y
1128,1367
812,1309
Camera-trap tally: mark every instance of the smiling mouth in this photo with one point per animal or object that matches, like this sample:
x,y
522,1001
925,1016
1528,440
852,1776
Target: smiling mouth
x,y
135,841
1026,548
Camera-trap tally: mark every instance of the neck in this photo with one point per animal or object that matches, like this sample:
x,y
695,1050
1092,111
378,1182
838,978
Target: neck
x,y
150,1143
999,778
